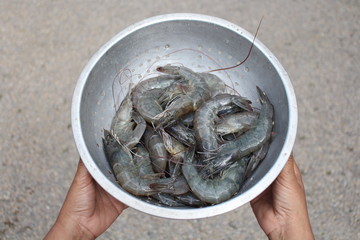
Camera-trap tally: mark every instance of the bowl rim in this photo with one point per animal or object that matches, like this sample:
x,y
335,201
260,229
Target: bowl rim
x,y
188,213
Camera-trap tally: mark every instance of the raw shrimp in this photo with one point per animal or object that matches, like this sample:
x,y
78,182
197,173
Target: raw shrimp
x,y
146,93
205,117
236,123
173,185
215,190
197,93
156,148
138,131
133,177
183,200
182,133
216,86
190,199
168,200
141,160
159,82
123,123
148,106
137,176
188,119
247,143
175,89
176,150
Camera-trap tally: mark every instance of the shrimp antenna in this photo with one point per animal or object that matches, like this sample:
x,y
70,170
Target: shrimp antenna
x,y
251,47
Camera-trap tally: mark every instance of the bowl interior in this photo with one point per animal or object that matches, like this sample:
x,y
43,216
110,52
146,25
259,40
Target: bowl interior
x,y
199,45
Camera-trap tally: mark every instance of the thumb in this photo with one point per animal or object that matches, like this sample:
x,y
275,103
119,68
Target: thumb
x,y
82,176
288,172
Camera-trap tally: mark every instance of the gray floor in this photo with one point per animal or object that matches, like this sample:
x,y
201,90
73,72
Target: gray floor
x,y
45,44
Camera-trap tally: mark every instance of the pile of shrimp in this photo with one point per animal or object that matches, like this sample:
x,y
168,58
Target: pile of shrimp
x,y
182,141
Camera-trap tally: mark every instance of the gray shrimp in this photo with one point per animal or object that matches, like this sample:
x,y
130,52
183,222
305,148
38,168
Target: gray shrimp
x,y
183,200
236,123
127,126
148,106
190,199
175,89
205,118
182,133
176,150
173,185
196,94
218,189
247,143
142,160
216,86
159,82
145,95
133,177
169,200
155,145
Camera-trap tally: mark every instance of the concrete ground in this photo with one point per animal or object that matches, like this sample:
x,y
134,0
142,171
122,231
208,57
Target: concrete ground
x,y
44,46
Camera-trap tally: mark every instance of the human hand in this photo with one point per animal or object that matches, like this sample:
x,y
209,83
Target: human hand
x,y
281,209
88,210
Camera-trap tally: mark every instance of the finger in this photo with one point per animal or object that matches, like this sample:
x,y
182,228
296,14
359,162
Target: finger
x,y
297,173
81,167
288,170
82,177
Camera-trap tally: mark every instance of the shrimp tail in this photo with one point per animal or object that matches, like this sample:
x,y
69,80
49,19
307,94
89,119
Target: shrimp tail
x,y
263,98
